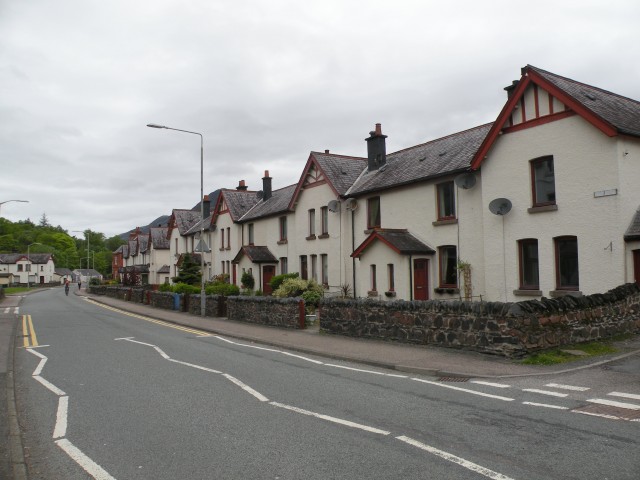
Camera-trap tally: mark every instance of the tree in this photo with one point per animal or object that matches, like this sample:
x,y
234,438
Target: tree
x,y
44,221
189,272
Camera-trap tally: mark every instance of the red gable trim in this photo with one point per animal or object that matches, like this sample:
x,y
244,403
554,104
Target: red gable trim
x,y
299,187
569,102
368,241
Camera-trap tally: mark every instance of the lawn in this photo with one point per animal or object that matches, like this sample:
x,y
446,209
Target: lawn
x,y
561,355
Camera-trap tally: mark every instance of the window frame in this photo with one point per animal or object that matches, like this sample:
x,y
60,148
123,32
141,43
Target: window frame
x,y
557,241
374,278
522,264
282,225
324,268
250,234
535,202
440,205
444,252
284,265
314,267
376,221
391,277
324,221
304,267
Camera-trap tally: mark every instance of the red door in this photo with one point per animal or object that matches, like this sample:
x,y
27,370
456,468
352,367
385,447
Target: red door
x,y
268,271
636,266
421,279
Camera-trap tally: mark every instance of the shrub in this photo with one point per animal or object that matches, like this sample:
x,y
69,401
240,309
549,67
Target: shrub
x,y
278,279
295,287
224,289
165,287
311,297
94,281
185,288
248,281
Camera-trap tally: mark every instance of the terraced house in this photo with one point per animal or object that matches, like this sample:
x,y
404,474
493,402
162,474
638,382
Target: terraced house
x,y
541,202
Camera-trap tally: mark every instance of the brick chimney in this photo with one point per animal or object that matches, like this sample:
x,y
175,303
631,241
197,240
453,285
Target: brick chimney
x,y
241,186
206,203
266,186
376,148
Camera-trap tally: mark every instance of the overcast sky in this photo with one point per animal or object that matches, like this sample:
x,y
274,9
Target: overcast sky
x,y
265,82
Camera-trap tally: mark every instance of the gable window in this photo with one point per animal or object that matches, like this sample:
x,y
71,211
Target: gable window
x,y
567,275
284,265
324,220
250,233
283,229
324,268
543,182
528,262
312,223
448,266
304,272
446,201
373,213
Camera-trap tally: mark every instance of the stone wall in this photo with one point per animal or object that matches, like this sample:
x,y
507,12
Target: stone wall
x,y
214,305
277,312
163,300
510,329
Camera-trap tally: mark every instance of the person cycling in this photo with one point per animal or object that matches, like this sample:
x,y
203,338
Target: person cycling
x,y
66,288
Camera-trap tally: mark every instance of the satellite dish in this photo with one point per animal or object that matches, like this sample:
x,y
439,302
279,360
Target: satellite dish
x,y
465,181
259,194
500,206
333,206
352,204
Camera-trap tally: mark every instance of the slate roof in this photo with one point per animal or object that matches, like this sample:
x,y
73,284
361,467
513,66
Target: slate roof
x,y
63,271
35,258
143,243
633,231
621,112
164,269
442,156
184,219
257,254
399,240
340,170
239,202
87,272
159,238
197,226
133,247
278,203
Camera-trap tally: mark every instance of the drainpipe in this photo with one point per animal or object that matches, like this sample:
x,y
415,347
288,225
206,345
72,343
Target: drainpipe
x,y
353,249
410,279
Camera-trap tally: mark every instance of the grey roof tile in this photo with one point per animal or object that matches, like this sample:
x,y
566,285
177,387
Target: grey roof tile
x,y
341,170
633,230
278,203
257,254
159,238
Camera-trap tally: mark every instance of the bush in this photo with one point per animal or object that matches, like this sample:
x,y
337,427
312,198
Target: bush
x,y
248,281
278,279
165,287
295,287
185,288
94,281
224,289
311,298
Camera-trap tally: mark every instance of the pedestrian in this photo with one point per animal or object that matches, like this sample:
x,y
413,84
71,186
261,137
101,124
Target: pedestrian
x,y
79,283
66,287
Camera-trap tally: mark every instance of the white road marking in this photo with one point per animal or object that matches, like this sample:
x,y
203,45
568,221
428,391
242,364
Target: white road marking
x,y
545,405
490,384
194,366
17,310
340,421
60,429
91,467
366,371
611,403
6,310
37,354
306,359
474,467
473,392
632,396
246,388
50,386
545,392
164,355
610,417
567,387
39,368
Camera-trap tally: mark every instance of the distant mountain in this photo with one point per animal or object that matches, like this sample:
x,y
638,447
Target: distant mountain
x,y
163,220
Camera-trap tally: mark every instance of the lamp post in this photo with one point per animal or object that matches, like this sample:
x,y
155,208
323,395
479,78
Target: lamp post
x,y
86,234
202,299
7,201
29,260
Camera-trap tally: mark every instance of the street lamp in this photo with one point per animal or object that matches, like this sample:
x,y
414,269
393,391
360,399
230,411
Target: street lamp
x,y
29,260
202,299
86,234
7,201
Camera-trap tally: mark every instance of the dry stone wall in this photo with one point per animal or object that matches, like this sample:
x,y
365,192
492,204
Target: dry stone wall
x,y
277,312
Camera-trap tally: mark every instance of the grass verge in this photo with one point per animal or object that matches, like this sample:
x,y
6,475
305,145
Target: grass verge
x,y
561,355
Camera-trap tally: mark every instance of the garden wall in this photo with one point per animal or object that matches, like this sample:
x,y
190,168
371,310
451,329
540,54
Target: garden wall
x,y
510,329
277,312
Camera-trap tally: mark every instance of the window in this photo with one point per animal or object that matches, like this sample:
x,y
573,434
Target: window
x,y
19,267
374,279
373,213
448,266
283,229
391,275
567,277
324,220
228,238
27,267
304,274
314,267
284,265
543,182
223,270
324,268
446,201
312,222
42,267
222,239
250,233
528,253
228,272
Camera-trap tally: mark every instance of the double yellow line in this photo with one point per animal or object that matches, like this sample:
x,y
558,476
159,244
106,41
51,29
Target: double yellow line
x,y
28,332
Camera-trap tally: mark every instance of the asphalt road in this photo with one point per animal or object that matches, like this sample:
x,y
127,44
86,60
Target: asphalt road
x,y
122,397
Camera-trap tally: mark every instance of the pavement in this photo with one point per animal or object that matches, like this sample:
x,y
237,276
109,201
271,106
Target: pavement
x,y
422,360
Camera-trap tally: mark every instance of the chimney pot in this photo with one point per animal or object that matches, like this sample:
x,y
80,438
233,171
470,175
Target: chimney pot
x,y
378,129
376,149
266,173
326,151
241,186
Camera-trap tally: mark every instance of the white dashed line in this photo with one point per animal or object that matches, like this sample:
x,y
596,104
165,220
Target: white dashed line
x,y
50,386
455,459
601,415
632,396
91,467
545,392
340,421
246,388
567,387
611,403
490,384
473,392
545,405
365,371
60,429
199,367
